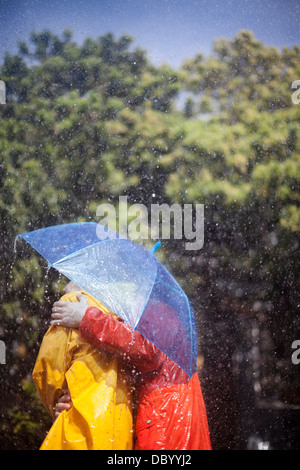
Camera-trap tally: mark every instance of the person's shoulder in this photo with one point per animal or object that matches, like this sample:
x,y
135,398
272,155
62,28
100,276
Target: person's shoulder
x,y
93,302
70,297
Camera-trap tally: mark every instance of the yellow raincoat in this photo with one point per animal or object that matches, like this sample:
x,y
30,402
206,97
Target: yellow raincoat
x,y
101,415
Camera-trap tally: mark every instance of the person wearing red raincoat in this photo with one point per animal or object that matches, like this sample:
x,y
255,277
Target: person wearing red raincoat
x,y
171,413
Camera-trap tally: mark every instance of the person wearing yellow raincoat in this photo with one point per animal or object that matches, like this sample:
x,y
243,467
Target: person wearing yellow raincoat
x,y
98,383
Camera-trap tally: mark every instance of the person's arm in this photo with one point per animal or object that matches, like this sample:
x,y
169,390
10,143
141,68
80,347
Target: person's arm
x,y
120,339
50,367
108,333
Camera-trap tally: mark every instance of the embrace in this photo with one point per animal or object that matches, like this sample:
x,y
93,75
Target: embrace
x,y
108,387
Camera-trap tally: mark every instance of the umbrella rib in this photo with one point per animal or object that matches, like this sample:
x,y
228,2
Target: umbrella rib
x,y
78,251
49,264
166,354
191,328
146,301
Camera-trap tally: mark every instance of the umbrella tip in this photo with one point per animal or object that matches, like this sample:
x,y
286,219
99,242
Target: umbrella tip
x,y
155,247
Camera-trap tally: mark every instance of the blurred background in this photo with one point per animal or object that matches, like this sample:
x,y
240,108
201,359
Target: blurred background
x,y
165,102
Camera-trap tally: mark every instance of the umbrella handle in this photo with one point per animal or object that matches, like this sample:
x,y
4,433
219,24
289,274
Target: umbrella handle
x,y
155,247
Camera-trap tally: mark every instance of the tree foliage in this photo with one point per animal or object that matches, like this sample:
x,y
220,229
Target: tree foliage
x,y
84,124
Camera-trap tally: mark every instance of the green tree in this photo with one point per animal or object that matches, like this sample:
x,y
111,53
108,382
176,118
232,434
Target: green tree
x,y
86,124
77,130
242,161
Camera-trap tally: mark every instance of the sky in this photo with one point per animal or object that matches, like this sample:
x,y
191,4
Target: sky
x,y
170,30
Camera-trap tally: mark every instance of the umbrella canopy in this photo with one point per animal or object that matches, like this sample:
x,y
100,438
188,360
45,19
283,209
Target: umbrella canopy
x,y
128,279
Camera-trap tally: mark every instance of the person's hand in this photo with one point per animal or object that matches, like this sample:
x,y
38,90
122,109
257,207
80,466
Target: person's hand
x,y
69,314
64,403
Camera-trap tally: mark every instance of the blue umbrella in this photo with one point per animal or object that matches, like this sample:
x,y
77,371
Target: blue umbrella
x,y
128,279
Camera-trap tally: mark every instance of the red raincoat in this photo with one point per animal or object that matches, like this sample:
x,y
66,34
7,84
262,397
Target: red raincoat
x,y
171,413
